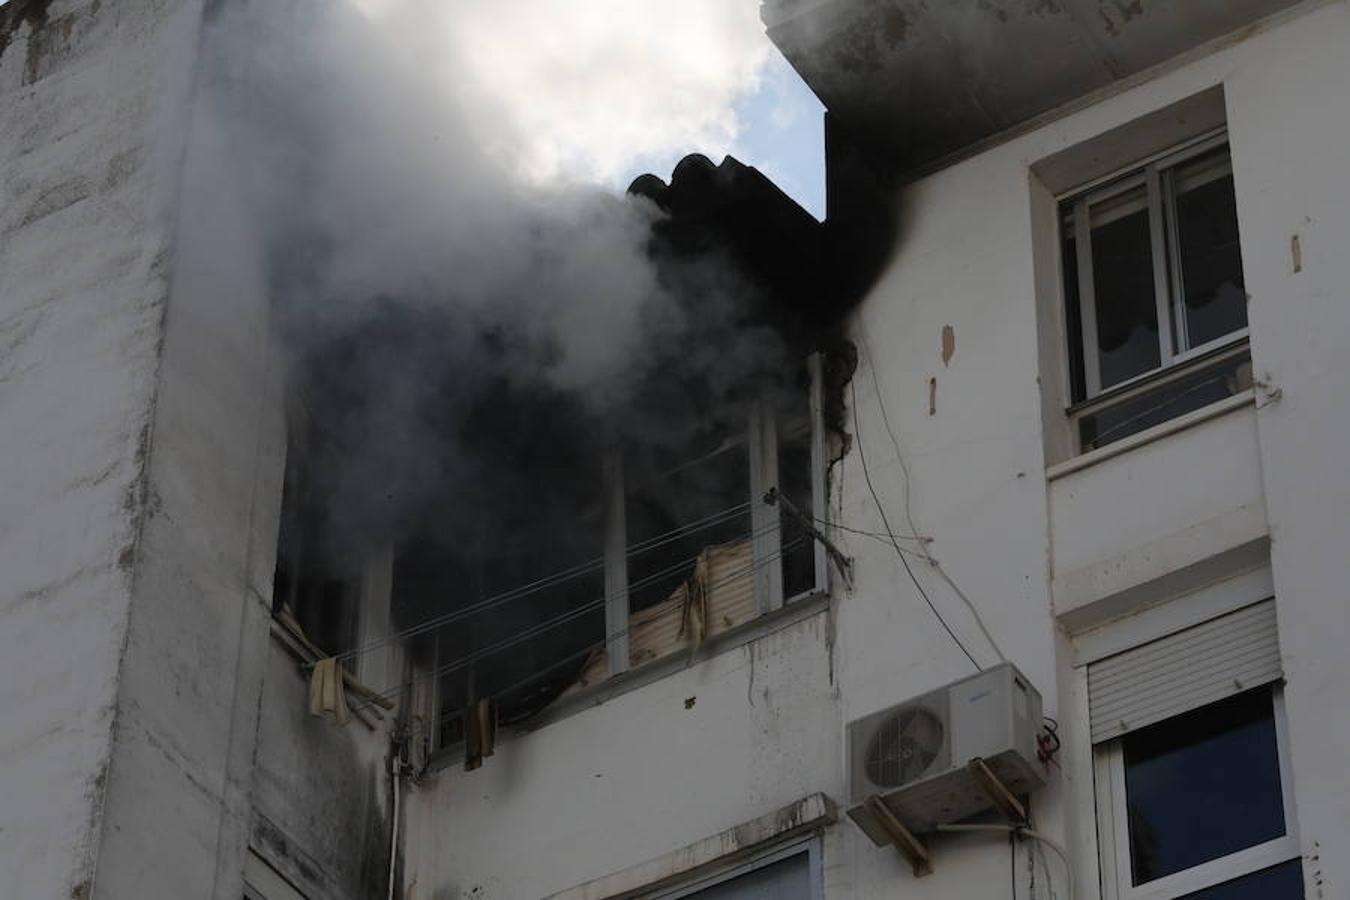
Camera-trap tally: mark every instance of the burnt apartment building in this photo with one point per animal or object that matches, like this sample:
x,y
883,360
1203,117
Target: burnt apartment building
x,y
1008,561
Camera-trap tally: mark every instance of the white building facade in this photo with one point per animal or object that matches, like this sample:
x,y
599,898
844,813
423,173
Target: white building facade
x,y
1146,512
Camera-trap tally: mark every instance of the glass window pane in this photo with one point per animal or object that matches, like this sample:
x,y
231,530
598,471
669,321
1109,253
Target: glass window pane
x,y
1122,279
1282,882
1211,260
1175,398
1203,785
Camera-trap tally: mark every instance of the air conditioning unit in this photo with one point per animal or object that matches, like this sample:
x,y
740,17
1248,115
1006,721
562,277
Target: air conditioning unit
x,y
914,755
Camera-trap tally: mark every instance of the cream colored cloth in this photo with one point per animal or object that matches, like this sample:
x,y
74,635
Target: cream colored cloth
x,y
327,693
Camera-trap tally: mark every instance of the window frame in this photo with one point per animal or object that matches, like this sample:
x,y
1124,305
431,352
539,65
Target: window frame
x,y
1176,359
811,846
1113,832
761,435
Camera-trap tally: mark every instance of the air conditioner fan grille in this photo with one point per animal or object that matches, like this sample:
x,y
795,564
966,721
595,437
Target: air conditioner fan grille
x,y
904,746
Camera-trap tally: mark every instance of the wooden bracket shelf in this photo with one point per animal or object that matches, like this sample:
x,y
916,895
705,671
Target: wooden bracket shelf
x,y
913,849
910,847
1003,799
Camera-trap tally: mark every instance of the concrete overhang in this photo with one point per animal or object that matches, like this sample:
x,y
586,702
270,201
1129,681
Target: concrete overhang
x,y
922,80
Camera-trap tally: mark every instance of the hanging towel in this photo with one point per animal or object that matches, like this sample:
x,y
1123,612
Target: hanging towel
x,y
327,694
480,733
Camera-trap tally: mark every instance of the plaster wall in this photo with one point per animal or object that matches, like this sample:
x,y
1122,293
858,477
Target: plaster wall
x,y
89,92
1290,120
1141,516
321,812
193,664
586,796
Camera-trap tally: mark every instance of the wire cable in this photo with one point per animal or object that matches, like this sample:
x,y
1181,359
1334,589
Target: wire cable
x,y
591,648
885,522
580,611
909,512
1043,839
546,582
635,621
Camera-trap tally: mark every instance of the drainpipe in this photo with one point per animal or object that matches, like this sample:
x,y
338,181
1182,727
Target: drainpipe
x,y
396,769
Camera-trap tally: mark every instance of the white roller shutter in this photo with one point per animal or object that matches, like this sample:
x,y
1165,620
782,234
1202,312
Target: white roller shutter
x,y
1184,671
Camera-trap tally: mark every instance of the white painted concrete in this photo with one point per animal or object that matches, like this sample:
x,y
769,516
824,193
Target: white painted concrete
x,y
152,727
1136,517
85,235
643,775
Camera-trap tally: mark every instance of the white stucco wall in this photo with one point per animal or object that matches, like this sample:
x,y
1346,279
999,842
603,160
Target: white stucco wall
x,y
1290,120
86,171
640,776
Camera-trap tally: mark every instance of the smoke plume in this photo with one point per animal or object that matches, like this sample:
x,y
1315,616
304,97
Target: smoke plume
x,y
467,328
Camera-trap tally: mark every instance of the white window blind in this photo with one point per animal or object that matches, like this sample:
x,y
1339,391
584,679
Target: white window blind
x,y
1184,671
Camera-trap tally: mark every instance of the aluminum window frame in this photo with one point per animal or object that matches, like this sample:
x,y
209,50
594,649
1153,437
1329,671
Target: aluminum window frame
x,y
811,846
1176,358
1113,831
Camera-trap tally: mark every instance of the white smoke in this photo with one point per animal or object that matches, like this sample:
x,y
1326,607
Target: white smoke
x,y
415,177
584,88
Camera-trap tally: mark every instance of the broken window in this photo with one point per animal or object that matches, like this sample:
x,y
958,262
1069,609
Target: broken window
x,y
1156,306
541,550
314,594
658,548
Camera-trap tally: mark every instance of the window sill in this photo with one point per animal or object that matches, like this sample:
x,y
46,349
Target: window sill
x,y
808,606
1148,436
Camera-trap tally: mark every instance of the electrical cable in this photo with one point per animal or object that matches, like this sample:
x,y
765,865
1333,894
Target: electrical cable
x,y
396,769
534,676
546,582
580,611
1025,832
900,554
744,571
909,513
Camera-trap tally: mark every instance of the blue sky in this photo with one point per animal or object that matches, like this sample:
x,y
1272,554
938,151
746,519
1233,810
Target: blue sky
x,y
781,133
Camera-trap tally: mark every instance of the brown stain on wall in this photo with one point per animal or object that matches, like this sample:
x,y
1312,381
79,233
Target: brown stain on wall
x,y
948,344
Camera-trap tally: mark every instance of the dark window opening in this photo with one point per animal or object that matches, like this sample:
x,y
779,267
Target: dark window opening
x,y
1203,785
320,593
